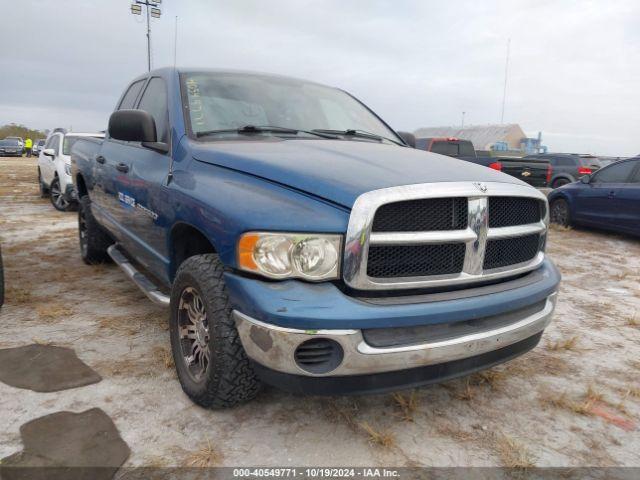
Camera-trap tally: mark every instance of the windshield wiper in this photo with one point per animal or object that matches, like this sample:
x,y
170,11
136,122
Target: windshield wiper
x,y
249,129
357,133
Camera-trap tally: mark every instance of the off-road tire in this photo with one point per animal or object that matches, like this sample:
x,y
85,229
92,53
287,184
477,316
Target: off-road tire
x,y
229,379
94,241
44,191
559,212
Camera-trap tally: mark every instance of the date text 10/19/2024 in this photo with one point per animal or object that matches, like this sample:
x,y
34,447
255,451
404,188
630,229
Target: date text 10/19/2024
x,y
316,472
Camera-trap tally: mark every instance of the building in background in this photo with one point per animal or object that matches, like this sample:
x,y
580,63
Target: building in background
x,y
506,139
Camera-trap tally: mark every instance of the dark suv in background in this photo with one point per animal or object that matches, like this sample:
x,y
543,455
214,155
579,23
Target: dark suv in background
x,y
568,167
534,171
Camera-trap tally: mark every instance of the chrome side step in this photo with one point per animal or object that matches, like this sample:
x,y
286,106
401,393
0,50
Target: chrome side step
x,y
143,283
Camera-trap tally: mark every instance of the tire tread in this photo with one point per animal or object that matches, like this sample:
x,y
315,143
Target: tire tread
x,y
232,380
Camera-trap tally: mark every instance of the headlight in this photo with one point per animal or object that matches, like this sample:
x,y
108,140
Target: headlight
x,y
67,169
291,255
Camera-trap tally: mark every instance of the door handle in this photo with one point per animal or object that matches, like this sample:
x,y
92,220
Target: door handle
x,y
122,167
612,194
100,159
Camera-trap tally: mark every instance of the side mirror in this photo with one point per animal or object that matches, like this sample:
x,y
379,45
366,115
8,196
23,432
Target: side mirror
x,y
585,178
409,138
132,126
49,152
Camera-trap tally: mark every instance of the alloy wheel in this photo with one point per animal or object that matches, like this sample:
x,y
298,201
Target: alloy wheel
x,y
57,197
193,331
559,213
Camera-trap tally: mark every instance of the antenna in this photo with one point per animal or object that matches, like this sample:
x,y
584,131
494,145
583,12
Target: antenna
x,y
153,10
504,91
175,43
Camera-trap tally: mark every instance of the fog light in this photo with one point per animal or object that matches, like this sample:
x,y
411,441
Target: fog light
x,y
319,355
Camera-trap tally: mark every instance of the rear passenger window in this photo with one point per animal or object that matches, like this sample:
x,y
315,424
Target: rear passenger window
x,y
128,101
154,101
617,173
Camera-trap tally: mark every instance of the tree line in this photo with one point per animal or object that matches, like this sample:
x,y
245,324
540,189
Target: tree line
x,y
15,130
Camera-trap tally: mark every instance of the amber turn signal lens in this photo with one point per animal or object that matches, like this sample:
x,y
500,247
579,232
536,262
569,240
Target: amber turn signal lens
x,y
246,247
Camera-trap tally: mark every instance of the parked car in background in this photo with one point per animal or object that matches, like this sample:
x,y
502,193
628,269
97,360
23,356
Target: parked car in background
x,y
54,168
535,172
20,141
297,239
37,146
10,147
608,199
568,167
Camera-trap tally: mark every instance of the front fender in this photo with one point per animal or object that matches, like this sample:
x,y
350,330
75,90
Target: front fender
x,y
224,203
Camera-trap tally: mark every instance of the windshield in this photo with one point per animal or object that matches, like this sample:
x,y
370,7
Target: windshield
x,y
68,143
228,101
9,143
592,162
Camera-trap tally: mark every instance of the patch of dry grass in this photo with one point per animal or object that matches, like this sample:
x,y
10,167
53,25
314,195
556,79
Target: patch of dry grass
x,y
346,411
581,407
633,320
450,430
556,227
382,438
491,377
633,392
17,296
118,323
512,453
207,456
467,393
570,344
164,356
406,404
54,311
343,411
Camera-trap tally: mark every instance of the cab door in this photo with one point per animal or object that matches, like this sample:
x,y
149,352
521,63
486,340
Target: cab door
x,y
142,184
111,210
597,203
627,200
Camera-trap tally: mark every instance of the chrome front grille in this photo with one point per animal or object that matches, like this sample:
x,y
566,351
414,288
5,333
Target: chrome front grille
x,y
443,234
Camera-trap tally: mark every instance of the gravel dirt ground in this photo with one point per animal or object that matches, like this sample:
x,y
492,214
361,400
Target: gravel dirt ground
x,y
573,401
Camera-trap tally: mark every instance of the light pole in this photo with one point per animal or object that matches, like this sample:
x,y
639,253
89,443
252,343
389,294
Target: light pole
x,y
152,10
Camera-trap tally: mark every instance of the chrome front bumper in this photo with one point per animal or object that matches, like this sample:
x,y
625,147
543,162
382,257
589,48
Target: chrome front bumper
x,y
274,347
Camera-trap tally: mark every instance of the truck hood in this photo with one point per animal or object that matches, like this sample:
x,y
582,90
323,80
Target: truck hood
x,y
341,170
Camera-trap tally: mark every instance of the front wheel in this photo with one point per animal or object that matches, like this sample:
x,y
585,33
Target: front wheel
x,y
560,212
212,366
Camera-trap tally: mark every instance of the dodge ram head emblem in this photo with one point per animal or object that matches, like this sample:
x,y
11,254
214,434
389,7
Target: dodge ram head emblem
x,y
480,186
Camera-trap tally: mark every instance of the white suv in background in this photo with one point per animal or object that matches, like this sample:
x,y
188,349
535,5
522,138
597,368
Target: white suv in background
x,y
54,168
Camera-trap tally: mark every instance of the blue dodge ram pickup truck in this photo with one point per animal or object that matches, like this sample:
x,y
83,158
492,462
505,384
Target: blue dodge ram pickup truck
x,y
300,242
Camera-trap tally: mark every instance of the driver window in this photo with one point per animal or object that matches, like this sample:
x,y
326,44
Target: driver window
x,y
618,173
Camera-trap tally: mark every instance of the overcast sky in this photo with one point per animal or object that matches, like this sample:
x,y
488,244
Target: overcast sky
x,y
574,71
